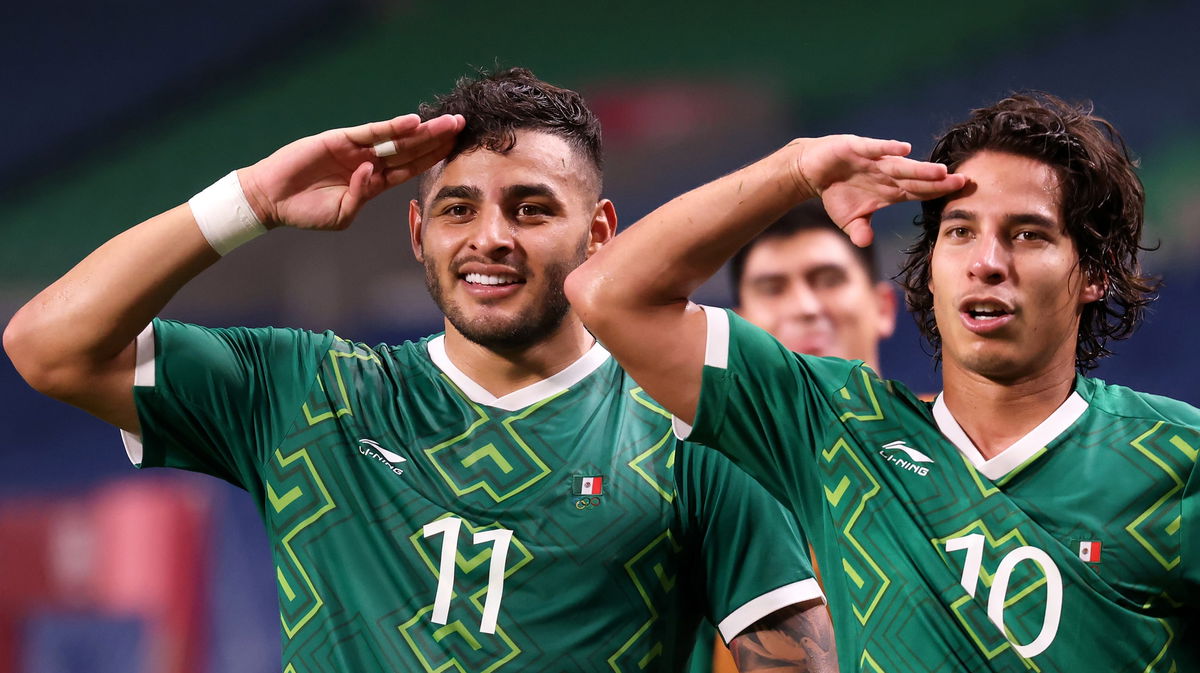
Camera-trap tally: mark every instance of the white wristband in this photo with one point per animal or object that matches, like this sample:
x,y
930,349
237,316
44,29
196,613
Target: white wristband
x,y
224,215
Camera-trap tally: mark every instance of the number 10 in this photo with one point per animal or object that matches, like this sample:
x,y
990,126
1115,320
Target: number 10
x,y
973,544
499,537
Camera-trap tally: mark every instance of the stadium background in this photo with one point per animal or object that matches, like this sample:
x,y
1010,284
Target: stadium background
x,y
117,111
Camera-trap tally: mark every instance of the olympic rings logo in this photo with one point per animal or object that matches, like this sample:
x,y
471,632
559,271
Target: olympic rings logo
x,y
587,503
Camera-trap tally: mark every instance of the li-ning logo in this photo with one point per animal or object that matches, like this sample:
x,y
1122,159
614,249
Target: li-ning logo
x,y
372,449
905,457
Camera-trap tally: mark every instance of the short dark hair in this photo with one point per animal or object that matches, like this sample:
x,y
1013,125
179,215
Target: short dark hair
x,y
808,216
1103,206
498,104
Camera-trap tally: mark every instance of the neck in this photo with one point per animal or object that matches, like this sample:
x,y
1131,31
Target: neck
x,y
501,372
872,361
995,414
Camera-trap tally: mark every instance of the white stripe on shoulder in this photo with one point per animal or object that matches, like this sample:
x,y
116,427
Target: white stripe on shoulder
x,y
143,375
133,447
756,609
716,346
682,430
143,371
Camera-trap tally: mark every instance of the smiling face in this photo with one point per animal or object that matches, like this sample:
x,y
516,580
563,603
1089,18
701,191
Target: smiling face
x,y
498,234
1007,287
811,291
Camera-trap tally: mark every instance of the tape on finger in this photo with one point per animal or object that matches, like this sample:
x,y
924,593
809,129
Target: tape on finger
x,y
224,215
386,148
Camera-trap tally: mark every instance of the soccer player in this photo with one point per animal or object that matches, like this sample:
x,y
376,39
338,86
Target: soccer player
x,y
498,497
1031,518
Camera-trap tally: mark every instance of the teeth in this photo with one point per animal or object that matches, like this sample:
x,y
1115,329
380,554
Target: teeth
x,y
986,311
482,279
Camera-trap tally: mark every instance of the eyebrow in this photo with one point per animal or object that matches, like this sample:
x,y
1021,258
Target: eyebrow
x,y
458,192
526,191
752,278
771,276
1018,218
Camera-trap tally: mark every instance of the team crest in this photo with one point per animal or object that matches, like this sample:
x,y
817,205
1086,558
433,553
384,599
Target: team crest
x,y
586,491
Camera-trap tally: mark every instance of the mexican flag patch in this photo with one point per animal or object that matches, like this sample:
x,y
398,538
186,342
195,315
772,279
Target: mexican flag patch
x,y
1089,551
593,485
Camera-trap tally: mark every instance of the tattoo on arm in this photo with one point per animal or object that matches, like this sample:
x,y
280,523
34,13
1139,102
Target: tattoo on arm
x,y
796,639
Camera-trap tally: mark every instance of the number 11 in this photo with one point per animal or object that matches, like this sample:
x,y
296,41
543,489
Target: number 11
x,y
500,539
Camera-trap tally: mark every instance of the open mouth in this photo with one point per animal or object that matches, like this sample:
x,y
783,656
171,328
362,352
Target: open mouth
x,y
985,315
489,280
985,311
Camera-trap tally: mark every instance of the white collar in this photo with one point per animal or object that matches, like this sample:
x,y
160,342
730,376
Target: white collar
x,y
1023,449
530,394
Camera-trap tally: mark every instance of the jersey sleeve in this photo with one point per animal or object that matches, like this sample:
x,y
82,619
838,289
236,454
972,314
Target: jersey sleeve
x,y
755,560
218,400
764,406
1189,510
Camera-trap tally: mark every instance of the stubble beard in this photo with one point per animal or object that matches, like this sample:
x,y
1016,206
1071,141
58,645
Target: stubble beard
x,y
543,317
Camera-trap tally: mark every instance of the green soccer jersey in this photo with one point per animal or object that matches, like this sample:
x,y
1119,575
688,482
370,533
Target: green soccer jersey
x,y
1069,551
420,524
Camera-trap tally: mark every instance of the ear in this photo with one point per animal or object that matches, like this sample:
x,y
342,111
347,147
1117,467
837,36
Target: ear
x,y
604,226
1093,292
885,298
414,230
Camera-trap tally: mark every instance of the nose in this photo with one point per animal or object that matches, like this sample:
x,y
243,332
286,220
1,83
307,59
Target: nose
x,y
492,234
990,259
802,302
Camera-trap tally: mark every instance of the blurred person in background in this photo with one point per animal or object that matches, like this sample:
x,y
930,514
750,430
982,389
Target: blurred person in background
x,y
803,281
498,497
1031,517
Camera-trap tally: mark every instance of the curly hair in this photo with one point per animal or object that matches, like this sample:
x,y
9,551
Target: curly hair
x,y
1102,202
498,104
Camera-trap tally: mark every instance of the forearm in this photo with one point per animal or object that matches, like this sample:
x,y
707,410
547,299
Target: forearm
x,y
663,258
89,316
633,293
797,640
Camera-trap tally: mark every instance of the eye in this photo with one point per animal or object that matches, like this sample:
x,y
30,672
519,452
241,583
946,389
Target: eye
x,y
828,278
1030,235
768,287
531,210
457,211
956,232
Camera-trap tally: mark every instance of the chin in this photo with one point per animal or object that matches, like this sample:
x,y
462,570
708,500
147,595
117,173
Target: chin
x,y
807,349
995,366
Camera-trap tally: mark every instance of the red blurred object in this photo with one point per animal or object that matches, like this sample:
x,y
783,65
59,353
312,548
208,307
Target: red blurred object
x,y
133,548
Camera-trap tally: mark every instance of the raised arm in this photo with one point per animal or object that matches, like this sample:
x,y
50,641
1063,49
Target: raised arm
x,y
633,294
74,340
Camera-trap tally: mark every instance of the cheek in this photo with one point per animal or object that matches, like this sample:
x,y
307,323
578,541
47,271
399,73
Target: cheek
x,y
846,305
941,262
759,311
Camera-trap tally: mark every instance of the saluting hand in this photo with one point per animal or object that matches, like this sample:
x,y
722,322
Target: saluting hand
x,y
856,176
321,182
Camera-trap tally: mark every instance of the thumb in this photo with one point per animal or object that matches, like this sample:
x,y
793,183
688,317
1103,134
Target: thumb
x,y
860,232
356,194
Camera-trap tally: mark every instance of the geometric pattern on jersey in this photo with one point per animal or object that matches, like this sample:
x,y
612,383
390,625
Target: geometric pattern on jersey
x,y
490,455
923,555
415,527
